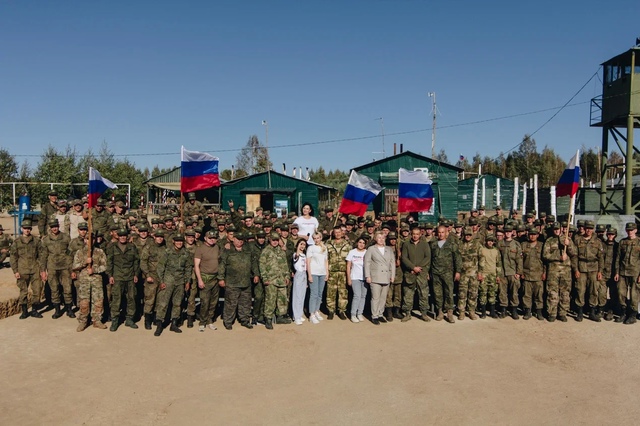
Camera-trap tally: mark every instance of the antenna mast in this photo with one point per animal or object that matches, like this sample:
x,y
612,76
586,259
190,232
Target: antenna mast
x,y
433,128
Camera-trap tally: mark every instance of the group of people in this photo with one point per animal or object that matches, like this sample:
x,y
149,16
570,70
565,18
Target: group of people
x,y
274,270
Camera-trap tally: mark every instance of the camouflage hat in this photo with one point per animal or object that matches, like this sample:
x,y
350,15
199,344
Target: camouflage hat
x,y
405,227
458,225
261,234
508,228
350,222
119,204
521,228
114,227
564,224
498,207
491,237
76,202
221,222
53,223
550,218
52,193
491,221
530,216
249,215
211,234
101,202
111,204
266,212
542,214
589,224
601,228
143,228
612,231
581,222
83,225
241,208
467,231
274,236
482,207
474,210
198,229
178,237
189,233
533,231
429,226
241,236
231,228
26,223
328,209
62,203
259,209
369,224
258,220
191,195
556,225
295,226
155,221
122,232
630,226
159,233
392,236
473,221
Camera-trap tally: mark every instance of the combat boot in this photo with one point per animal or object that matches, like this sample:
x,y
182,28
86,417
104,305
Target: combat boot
x,y
382,319
159,328
579,314
69,310
562,318
190,319
397,314
514,313
330,315
25,312
82,325
492,311
283,319
527,314
440,315
58,313
342,315
503,312
631,318
34,311
147,321
406,317
623,315
539,315
450,318
551,318
483,311
593,315
472,315
114,325
388,314
461,315
174,326
129,323
609,315
268,324
99,324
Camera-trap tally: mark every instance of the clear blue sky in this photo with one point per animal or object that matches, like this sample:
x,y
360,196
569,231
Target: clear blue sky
x,y
150,76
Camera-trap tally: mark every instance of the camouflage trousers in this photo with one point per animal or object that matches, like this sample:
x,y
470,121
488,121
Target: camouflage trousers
x,y
337,286
276,300
172,293
3,256
630,285
533,291
468,292
586,284
394,296
408,295
60,278
487,290
150,293
123,290
558,292
193,293
258,301
23,284
90,299
508,289
209,296
443,291
236,299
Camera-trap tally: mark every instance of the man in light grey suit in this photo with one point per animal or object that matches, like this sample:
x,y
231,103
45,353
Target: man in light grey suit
x,y
379,272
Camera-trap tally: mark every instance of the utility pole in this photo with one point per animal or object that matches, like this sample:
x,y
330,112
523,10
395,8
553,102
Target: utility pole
x,y
433,128
382,127
266,144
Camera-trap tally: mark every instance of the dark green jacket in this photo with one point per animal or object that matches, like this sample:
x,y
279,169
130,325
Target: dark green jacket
x,y
445,260
238,267
122,265
175,266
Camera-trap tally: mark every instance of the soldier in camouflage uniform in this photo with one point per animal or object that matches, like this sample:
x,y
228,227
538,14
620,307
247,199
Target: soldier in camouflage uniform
x,y
558,252
238,268
588,270
205,265
533,274
77,243
56,262
89,268
489,275
393,306
25,262
512,268
445,269
257,247
149,265
175,267
627,274
194,207
5,246
62,215
610,251
468,286
276,276
100,217
416,262
47,212
123,268
337,249
190,245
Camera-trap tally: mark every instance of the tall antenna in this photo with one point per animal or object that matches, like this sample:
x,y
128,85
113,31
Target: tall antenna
x,y
382,129
433,129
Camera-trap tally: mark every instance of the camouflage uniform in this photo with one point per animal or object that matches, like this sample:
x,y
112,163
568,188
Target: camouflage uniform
x,y
56,260
415,254
123,264
193,289
89,286
237,267
490,268
468,286
511,265
558,276
276,276
258,288
337,282
101,221
47,212
533,270
445,263
590,262
210,294
5,247
610,252
628,270
394,296
149,265
25,260
174,270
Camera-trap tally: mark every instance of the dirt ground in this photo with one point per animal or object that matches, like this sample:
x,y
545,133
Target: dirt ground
x,y
481,372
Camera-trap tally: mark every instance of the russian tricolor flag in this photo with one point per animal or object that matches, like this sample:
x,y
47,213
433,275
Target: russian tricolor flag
x,y
360,192
414,191
199,170
570,179
97,186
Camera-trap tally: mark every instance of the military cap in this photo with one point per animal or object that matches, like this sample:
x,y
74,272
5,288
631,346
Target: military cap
x,y
261,234
266,212
514,211
392,235
550,218
284,227
274,236
83,225
241,208
556,225
111,204
630,226
178,237
231,228
211,234
99,234
538,222
369,224
530,216
62,203
601,228
122,232
498,207
258,220
259,209
159,233
429,226
249,215
52,193
350,222
491,221
564,224
328,209
612,231
114,227
26,223
573,228
520,228
119,204
404,227
295,226
155,221
291,214
167,218
581,222
76,202
143,228
589,224
481,207
221,222
542,214
198,229
101,202
53,223
385,226
468,231
191,195
508,228
491,237
267,224
458,225
500,231
241,236
474,210
533,231
190,233
473,221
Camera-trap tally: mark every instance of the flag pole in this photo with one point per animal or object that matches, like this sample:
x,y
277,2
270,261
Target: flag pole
x,y
90,233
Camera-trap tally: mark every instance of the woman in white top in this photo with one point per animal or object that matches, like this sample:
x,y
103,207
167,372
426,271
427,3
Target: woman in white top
x,y
355,278
299,281
379,272
307,224
317,274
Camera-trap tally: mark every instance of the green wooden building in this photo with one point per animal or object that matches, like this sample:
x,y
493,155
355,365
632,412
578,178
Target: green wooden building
x,y
444,177
276,192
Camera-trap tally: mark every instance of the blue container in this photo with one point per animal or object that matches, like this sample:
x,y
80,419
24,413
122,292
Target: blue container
x,y
24,206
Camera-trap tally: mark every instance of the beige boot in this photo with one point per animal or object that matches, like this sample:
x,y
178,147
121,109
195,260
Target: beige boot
x,y
82,325
450,318
472,315
461,315
440,316
99,324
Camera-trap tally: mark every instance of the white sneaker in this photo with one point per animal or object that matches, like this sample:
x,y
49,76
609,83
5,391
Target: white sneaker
x,y
298,322
360,317
354,319
303,319
319,317
314,319
212,327
201,328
